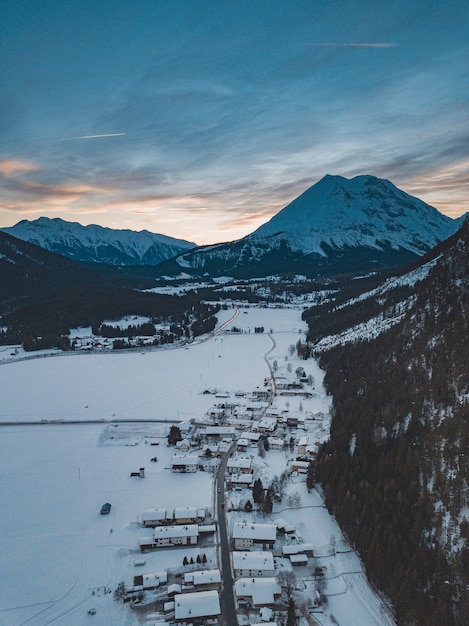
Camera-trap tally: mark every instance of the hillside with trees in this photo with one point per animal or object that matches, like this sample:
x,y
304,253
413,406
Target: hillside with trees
x,y
395,469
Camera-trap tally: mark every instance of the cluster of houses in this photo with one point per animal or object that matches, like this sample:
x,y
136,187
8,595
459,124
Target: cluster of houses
x,y
180,527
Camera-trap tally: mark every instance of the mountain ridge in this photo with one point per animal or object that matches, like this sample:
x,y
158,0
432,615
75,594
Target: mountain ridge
x,y
100,244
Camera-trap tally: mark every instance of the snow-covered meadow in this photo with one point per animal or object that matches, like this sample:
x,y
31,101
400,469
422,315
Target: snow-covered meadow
x,y
60,557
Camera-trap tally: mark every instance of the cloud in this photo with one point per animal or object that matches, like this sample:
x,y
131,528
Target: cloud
x,y
95,136
352,45
13,167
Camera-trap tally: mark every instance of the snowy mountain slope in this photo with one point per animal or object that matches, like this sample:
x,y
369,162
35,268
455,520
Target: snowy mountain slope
x,y
336,226
98,244
397,459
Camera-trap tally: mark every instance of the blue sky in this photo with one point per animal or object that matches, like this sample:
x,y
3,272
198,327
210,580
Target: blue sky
x,y
201,119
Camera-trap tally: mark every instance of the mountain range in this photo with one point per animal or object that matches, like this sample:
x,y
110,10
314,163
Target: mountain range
x,y
337,226
98,244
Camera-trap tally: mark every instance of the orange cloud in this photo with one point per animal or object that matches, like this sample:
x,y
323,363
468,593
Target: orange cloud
x,y
15,167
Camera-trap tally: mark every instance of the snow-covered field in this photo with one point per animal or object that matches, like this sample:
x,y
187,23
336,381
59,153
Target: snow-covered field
x,y
60,557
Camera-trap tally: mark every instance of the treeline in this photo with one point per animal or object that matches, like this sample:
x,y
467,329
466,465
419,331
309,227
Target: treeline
x,y
395,469
48,319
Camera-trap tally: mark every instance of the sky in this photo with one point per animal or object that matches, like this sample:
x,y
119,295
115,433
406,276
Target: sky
x,y
201,119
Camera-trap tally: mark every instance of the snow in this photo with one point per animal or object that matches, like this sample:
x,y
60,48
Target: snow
x,y
60,557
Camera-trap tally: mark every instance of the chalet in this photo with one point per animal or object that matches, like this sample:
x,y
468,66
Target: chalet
x,y
183,445
242,444
151,581
220,432
187,515
239,465
292,421
203,579
300,466
258,591
154,517
185,464
299,548
251,436
202,607
257,563
241,480
254,536
307,446
275,443
170,536
267,425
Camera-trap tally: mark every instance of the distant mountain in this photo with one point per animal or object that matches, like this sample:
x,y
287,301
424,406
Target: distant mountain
x,y
98,244
394,471
336,226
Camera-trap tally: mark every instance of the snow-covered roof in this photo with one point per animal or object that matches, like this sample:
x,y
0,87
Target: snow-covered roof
x,y
220,430
189,530
240,462
158,578
261,590
185,512
184,459
242,479
251,436
258,560
242,530
297,548
197,604
206,577
153,514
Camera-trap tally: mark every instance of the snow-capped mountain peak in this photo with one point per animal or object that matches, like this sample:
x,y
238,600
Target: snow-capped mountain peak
x,y
98,243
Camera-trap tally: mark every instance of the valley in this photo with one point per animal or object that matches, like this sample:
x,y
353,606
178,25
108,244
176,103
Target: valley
x,y
54,513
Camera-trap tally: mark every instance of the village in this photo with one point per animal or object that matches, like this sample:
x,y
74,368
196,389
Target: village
x,y
272,566
202,514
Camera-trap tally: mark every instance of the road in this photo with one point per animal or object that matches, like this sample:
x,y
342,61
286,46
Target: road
x,y
228,607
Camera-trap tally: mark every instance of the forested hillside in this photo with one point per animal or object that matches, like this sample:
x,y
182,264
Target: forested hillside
x,y
396,467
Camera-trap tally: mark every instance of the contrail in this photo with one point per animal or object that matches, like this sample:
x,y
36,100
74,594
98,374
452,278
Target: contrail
x,y
96,136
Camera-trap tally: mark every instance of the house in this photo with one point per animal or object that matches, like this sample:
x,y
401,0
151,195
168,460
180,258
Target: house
x,y
299,548
299,559
186,515
275,443
299,466
254,536
242,444
169,536
183,445
200,607
183,463
243,481
154,517
307,446
267,424
258,591
239,465
203,579
105,509
249,564
151,581
252,436
215,433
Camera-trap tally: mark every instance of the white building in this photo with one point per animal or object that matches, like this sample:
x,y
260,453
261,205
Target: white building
x,y
239,465
275,443
254,536
257,564
154,517
202,607
203,578
169,536
184,463
259,591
